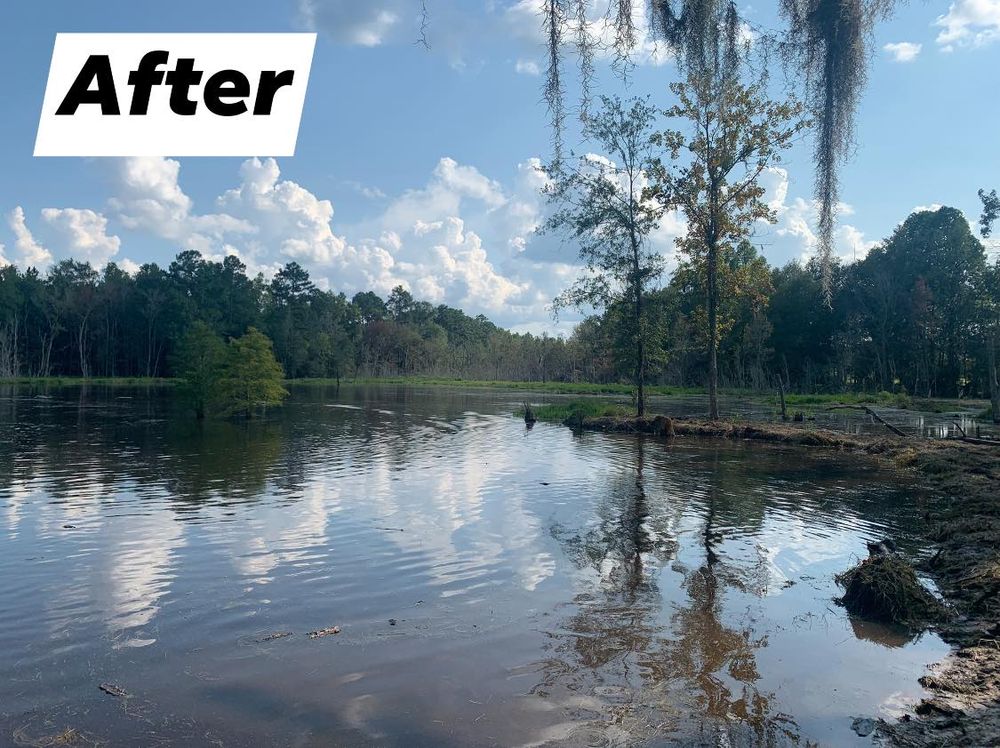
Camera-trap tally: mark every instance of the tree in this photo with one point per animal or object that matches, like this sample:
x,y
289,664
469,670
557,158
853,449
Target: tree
x,y
990,306
734,134
991,211
251,376
200,358
602,206
825,49
917,298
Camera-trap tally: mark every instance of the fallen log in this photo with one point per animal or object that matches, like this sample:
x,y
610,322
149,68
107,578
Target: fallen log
x,y
872,413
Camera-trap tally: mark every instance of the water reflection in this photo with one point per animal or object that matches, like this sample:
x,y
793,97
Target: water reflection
x,y
690,676
492,584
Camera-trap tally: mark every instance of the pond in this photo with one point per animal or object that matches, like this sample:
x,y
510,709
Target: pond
x,y
492,585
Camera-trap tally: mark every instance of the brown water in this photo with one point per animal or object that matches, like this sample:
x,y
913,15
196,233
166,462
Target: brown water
x,y
492,585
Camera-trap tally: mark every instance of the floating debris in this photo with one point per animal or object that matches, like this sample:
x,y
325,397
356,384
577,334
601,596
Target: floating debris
x,y
324,632
112,689
272,637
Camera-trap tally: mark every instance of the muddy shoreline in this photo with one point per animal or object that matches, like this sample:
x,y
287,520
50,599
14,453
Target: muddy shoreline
x,y
963,533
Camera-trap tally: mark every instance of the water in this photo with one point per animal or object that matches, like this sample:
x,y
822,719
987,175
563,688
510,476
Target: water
x,y
492,585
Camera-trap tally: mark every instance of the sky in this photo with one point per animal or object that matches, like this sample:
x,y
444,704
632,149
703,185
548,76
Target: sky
x,y
418,166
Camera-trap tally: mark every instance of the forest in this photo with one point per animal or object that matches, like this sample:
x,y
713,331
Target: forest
x,y
918,314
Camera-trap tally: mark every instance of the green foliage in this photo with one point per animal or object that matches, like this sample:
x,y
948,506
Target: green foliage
x,y
200,358
250,377
919,315
602,206
576,411
731,135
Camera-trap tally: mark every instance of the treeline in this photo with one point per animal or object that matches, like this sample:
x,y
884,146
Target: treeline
x,y
918,314
78,321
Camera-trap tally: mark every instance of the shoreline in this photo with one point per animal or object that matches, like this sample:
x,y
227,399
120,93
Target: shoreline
x,y
807,402
964,533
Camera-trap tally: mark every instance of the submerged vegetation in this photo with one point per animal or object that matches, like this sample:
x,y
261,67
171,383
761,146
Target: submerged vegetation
x,y
235,378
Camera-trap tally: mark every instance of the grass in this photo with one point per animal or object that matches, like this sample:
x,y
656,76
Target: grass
x,y
556,388
102,381
577,409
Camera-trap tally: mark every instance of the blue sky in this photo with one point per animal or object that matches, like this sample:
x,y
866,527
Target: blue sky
x,y
415,166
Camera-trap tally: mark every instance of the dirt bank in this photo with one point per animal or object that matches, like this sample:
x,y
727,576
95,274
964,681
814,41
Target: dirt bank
x,y
963,531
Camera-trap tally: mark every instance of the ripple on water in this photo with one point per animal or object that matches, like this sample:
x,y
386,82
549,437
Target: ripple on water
x,y
487,580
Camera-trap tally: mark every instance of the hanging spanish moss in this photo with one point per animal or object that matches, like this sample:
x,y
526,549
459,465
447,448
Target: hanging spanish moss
x,y
554,22
585,44
825,49
828,41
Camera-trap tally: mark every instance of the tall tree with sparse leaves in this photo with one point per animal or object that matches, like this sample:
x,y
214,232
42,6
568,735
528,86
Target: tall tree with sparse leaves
x,y
602,207
731,135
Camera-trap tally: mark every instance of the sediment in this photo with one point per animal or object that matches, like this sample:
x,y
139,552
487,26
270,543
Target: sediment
x,y
963,532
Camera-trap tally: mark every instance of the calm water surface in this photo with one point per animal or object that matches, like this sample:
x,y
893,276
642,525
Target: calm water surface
x,y
492,585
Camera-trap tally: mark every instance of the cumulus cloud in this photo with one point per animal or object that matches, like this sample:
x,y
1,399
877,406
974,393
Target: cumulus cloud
x,y
798,216
969,23
84,234
30,252
461,238
902,51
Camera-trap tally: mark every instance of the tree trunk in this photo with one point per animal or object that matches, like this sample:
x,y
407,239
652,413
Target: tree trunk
x,y
640,356
713,330
994,381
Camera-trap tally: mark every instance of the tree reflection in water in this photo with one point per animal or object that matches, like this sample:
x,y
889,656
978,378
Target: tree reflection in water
x,y
628,665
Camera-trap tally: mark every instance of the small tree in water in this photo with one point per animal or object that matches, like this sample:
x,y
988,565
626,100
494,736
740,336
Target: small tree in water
x,y
602,206
251,376
733,135
199,360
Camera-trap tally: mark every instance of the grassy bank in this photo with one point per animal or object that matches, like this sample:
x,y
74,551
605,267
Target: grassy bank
x,y
101,381
805,402
802,401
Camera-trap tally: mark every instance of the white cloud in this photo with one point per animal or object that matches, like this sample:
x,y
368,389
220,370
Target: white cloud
x,y
468,34
129,266
368,191
366,24
152,200
84,233
462,238
459,239
903,51
3,260
30,252
523,22
796,219
527,67
969,23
